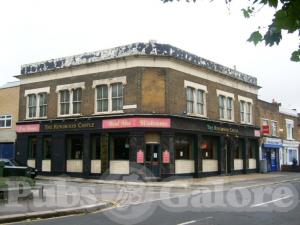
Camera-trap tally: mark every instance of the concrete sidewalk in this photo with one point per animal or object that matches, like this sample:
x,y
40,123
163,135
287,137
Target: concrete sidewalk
x,y
183,182
58,200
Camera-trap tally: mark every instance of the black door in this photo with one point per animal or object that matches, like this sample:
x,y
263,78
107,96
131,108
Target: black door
x,y
152,161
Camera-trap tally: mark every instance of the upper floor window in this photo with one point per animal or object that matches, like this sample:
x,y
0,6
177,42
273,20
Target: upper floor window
x,y
117,96
64,102
77,98
70,99
289,129
102,98
195,98
31,105
5,121
43,104
36,103
109,95
245,109
226,105
274,128
68,107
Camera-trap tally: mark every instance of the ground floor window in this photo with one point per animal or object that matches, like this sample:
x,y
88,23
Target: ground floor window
x,y
96,146
184,145
32,145
292,156
47,144
209,148
238,154
252,150
74,146
119,147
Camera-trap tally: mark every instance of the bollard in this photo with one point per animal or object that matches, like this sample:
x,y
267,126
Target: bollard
x,y
1,169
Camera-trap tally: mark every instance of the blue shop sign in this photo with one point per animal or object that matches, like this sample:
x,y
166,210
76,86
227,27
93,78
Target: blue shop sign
x,y
272,143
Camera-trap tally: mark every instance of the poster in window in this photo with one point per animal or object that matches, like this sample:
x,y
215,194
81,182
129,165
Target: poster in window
x,y
166,156
140,156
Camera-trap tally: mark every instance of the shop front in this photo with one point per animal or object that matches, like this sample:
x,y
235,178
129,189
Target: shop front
x,y
153,147
271,153
290,153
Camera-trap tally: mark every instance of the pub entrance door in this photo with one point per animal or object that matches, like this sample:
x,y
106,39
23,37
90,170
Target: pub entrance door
x,y
152,160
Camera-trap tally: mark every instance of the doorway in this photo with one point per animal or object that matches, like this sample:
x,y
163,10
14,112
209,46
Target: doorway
x,y
152,160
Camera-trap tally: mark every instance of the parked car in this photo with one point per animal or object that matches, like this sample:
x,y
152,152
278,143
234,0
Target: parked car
x,y
14,168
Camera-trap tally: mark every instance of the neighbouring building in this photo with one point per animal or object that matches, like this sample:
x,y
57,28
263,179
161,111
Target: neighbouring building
x,y
289,122
9,111
145,106
279,145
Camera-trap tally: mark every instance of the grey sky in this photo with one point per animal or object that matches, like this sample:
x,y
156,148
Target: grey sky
x,y
36,30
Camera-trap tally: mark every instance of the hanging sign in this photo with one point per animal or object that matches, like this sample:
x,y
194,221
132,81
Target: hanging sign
x,y
166,156
140,156
266,129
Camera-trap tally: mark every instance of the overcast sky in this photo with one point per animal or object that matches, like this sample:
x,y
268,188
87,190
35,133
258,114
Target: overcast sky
x,y
36,30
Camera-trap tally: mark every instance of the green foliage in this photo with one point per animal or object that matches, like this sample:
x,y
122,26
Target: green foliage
x,y
286,18
255,37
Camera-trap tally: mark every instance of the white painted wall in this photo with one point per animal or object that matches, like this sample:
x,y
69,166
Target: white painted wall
x,y
95,166
46,165
238,164
74,166
209,165
31,163
119,167
252,163
183,166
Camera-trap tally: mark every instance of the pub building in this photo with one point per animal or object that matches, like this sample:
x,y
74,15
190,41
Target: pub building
x,y
145,105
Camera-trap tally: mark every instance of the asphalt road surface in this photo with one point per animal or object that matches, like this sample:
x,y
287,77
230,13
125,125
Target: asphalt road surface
x,y
261,202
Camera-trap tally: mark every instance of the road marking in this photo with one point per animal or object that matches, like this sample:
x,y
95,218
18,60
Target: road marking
x,y
276,200
194,221
188,222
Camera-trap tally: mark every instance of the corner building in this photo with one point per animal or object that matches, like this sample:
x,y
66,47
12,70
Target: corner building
x,y
144,105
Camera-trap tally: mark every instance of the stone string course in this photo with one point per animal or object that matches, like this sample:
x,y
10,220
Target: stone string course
x,y
144,49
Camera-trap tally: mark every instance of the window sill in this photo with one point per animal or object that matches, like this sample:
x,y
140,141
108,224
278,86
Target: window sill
x,y
227,120
36,118
196,115
107,113
242,122
69,115
5,127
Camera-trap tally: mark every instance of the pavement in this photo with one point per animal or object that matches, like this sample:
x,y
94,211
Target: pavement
x,y
167,202
179,182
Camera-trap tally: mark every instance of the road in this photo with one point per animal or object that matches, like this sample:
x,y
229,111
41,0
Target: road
x,y
257,202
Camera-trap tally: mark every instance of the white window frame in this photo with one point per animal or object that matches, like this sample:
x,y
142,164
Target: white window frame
x,y
108,82
289,132
288,156
5,119
226,96
195,88
274,133
70,88
246,101
36,92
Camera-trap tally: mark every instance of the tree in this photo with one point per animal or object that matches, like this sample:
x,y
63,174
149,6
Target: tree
x,y
286,18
